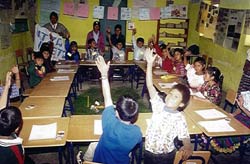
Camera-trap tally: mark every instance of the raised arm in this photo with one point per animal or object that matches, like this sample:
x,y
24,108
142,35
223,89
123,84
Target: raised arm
x,y
149,81
15,70
4,96
104,68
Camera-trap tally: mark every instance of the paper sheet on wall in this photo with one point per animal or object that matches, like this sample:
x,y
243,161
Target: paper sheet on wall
x,y
210,114
98,127
112,13
144,14
82,10
125,13
39,132
154,13
98,12
217,126
68,8
144,3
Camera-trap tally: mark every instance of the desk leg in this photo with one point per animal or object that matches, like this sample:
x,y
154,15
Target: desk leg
x,y
71,152
60,155
208,142
196,142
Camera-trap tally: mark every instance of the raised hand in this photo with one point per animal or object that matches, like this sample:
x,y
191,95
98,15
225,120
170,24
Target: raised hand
x,y
15,69
102,66
149,56
8,79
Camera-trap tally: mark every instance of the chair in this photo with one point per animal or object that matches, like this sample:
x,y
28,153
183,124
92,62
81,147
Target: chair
x,y
20,59
29,52
198,157
209,62
230,99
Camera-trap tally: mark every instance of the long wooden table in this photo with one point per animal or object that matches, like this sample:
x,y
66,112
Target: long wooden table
x,y
42,107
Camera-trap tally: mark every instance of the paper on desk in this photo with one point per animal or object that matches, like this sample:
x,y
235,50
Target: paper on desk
x,y
198,94
98,127
167,85
60,78
63,66
210,114
39,132
65,71
217,126
160,72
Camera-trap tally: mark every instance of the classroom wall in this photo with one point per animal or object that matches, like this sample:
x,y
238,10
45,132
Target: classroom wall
x,y
229,62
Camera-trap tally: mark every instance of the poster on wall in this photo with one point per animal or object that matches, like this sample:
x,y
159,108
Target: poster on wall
x,y
98,12
228,28
207,20
174,11
5,36
125,13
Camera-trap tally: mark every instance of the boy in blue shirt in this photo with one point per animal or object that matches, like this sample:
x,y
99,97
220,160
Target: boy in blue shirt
x,y
120,135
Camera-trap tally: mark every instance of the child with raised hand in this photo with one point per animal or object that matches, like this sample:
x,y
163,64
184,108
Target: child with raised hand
x,y
92,50
120,135
118,50
138,46
15,84
167,121
36,70
211,88
72,51
196,72
179,67
10,124
163,52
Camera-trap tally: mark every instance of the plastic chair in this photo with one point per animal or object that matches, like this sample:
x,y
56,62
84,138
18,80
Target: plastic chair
x,y
198,157
230,99
20,59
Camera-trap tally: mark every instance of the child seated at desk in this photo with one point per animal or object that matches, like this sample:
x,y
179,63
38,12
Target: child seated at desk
x,y
15,85
195,72
72,51
179,67
230,144
163,52
10,123
211,89
92,51
36,70
120,135
138,46
167,121
118,51
45,50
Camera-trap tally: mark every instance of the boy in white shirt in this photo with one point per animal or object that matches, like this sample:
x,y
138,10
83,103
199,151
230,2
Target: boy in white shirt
x,y
138,46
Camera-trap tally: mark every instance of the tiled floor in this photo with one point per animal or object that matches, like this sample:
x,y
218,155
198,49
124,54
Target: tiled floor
x,y
52,158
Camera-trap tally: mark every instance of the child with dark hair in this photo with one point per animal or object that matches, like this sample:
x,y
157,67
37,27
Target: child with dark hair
x,y
167,121
120,135
179,67
117,49
195,72
138,46
72,51
36,70
45,50
163,52
211,89
92,50
10,124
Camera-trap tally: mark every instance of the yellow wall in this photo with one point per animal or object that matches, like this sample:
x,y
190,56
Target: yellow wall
x,y
229,62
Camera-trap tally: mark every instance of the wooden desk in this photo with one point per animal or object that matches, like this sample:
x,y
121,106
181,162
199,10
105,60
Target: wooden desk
x,y
72,70
51,90
112,63
44,107
62,125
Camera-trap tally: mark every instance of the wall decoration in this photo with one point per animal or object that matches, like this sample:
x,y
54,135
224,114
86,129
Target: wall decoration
x,y
98,12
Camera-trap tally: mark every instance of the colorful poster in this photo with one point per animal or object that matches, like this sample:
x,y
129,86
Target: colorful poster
x,y
144,14
68,8
207,20
82,10
125,13
154,13
112,13
43,35
98,12
247,23
174,11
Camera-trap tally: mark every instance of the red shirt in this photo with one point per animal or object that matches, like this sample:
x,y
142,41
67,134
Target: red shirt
x,y
167,63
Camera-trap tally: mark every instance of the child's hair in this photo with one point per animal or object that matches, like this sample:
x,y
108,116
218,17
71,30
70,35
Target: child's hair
x,y
183,89
10,120
38,55
118,26
214,72
127,108
91,40
194,49
163,46
44,47
201,60
53,14
140,39
73,43
119,41
180,50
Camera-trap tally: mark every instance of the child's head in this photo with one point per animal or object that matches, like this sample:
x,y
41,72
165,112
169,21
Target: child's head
x,y
92,43
96,26
38,59
53,17
127,109
164,49
212,74
177,98
140,42
10,120
178,54
193,50
199,64
118,29
119,44
73,46
45,50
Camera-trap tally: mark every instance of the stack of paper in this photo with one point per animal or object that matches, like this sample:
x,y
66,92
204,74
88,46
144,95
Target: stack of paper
x,y
60,78
210,114
98,127
39,132
217,126
65,71
167,85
